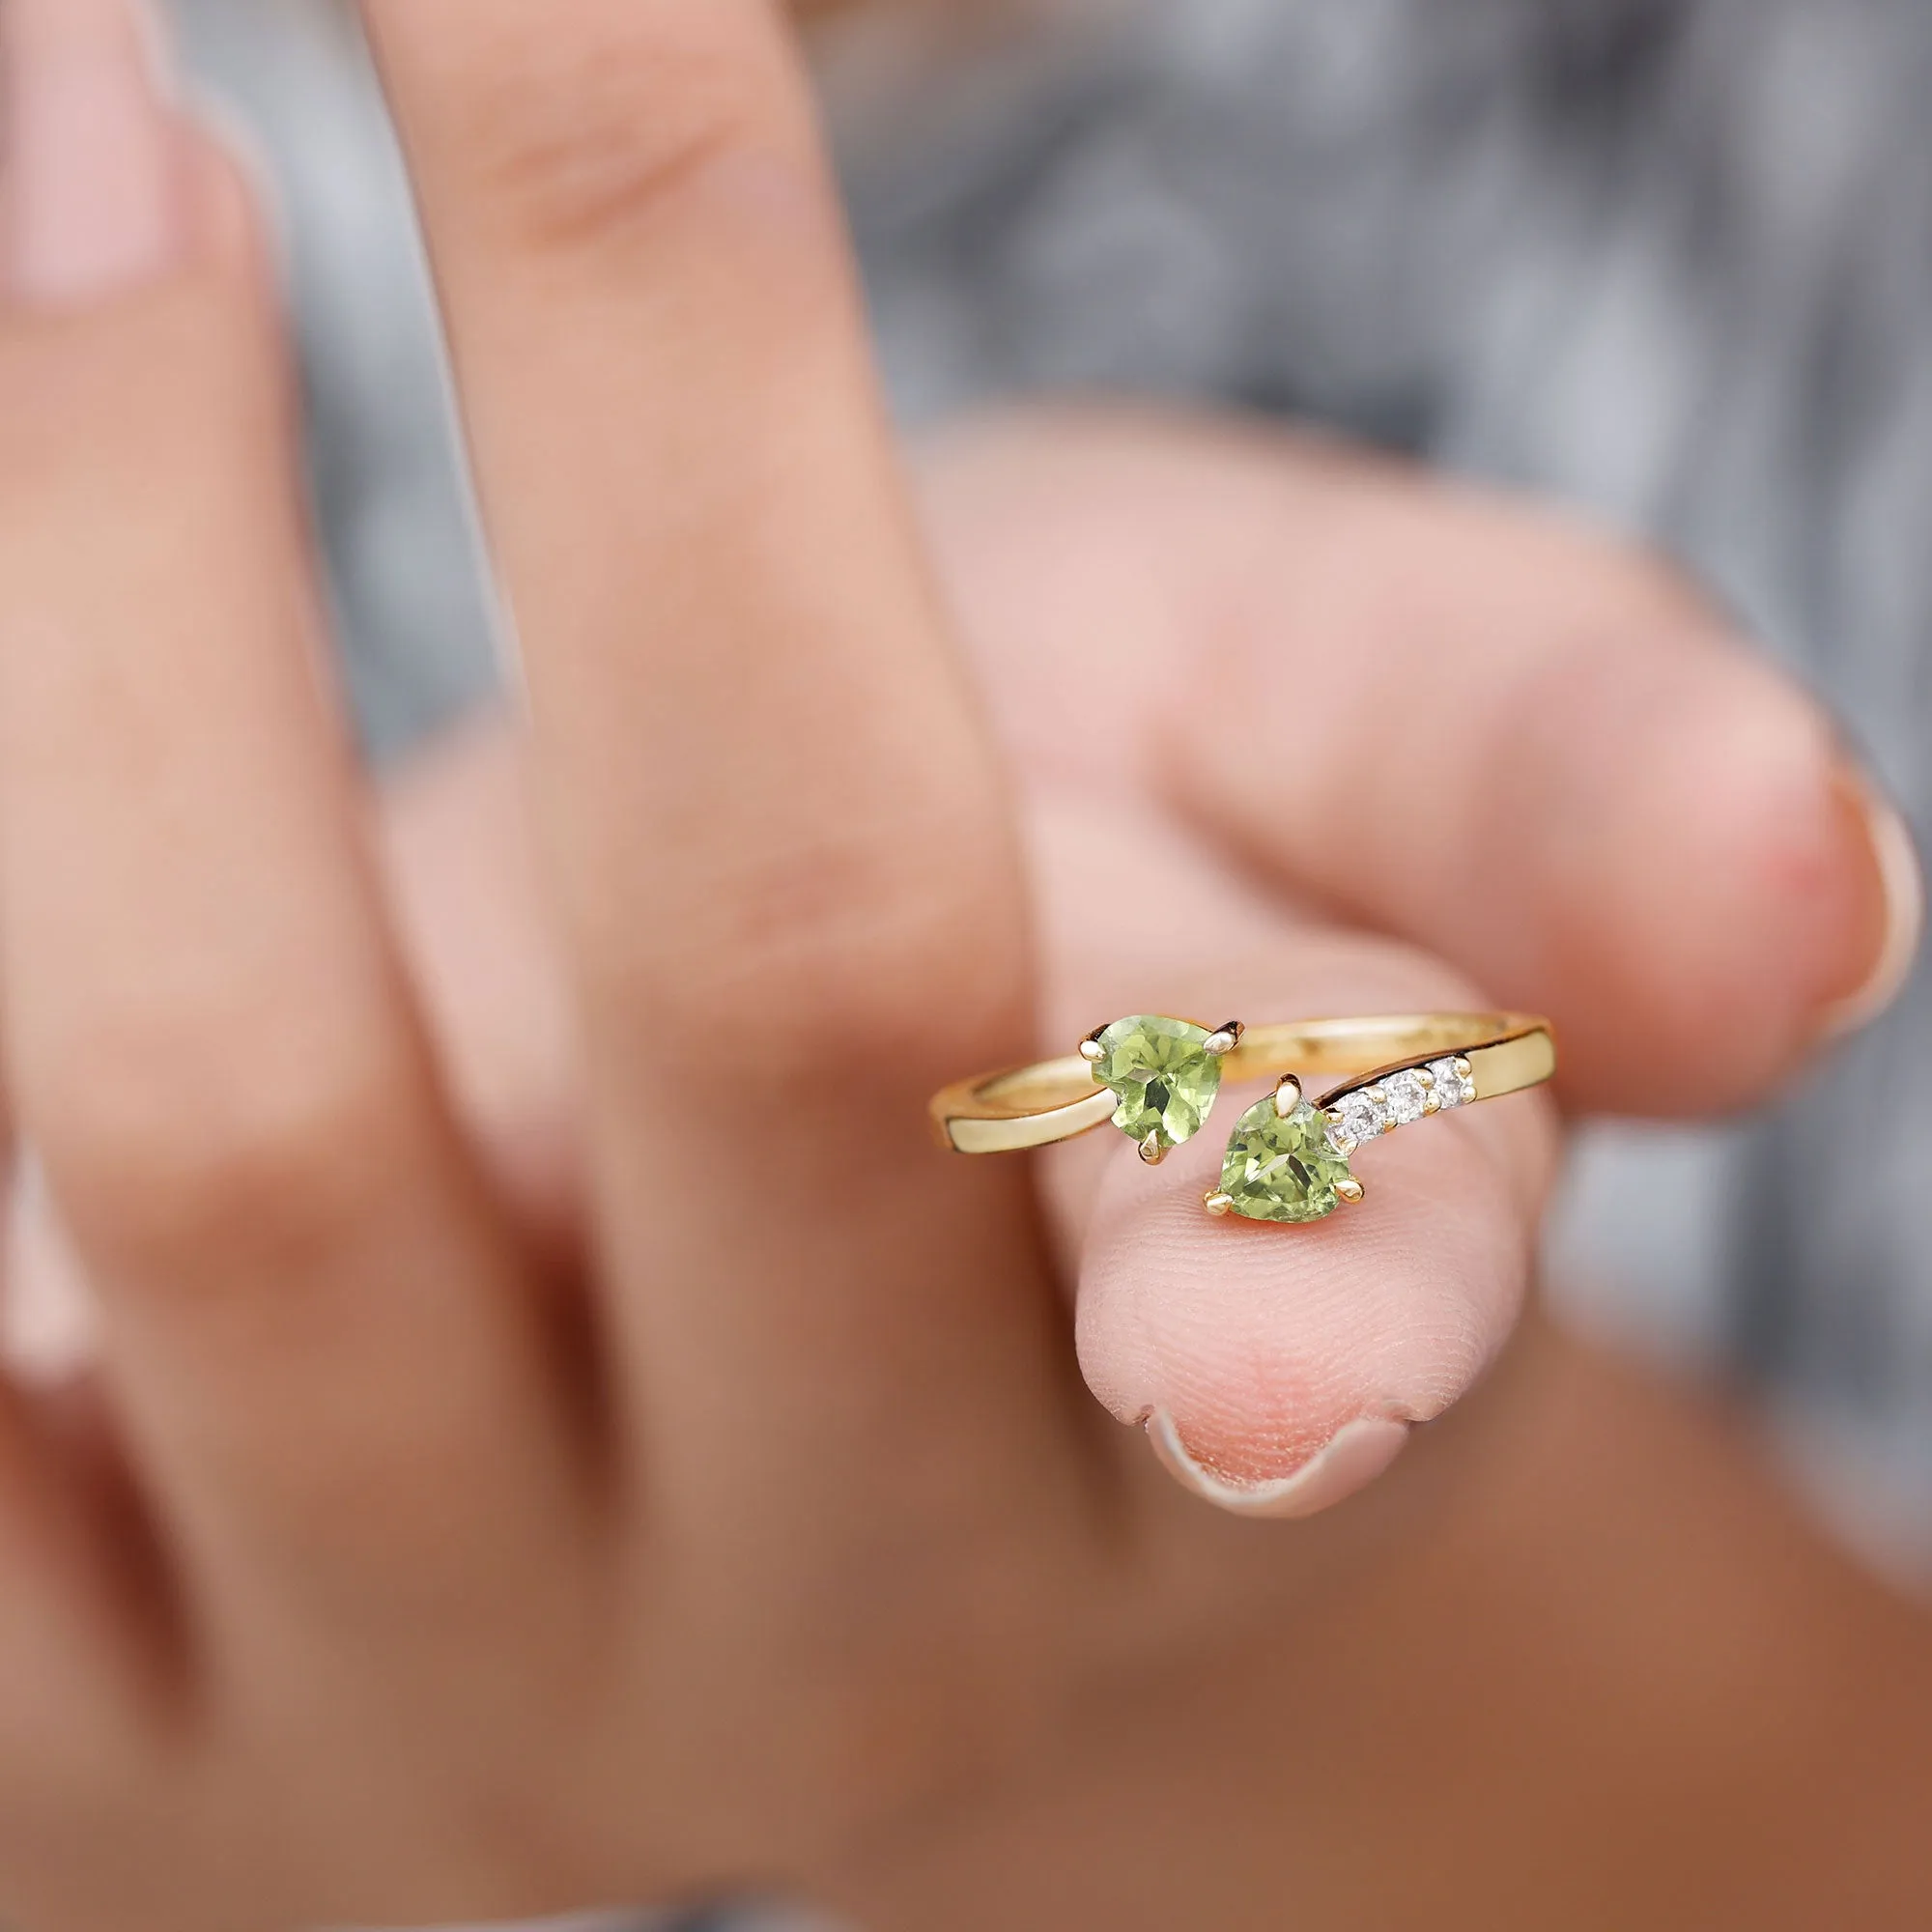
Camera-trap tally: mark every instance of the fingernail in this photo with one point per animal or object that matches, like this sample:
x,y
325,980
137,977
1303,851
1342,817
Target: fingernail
x,y
1898,892
1357,1454
95,196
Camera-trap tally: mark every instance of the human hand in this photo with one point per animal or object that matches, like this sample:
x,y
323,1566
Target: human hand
x,y
435,1579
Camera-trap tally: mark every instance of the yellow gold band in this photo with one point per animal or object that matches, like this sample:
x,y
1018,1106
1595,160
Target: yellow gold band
x,y
1055,1099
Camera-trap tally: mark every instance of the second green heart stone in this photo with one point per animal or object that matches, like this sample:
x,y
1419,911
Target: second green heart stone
x,y
1163,1076
1282,1170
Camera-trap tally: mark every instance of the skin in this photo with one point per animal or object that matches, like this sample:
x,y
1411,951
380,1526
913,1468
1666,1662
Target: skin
x,y
1589,1623
560,1431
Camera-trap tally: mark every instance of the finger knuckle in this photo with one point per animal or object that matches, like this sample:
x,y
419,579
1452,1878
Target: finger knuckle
x,y
165,1155
581,146
87,424
852,945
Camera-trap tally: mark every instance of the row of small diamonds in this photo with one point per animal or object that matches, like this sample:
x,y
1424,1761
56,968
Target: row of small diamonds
x,y
1370,1112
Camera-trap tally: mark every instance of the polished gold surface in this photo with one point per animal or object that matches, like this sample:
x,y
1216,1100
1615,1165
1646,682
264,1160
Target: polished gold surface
x,y
1055,1099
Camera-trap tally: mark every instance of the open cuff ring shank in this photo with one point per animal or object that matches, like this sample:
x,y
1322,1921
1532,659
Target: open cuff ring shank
x,y
1157,1078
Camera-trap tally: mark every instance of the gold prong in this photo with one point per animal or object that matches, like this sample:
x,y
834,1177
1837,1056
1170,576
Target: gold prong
x,y
1380,1095
1287,1095
1218,1204
1433,1105
1092,1050
1425,1079
1352,1191
1151,1150
1464,1068
1225,1039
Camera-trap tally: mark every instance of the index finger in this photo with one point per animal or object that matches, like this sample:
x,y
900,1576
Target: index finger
x,y
1277,1367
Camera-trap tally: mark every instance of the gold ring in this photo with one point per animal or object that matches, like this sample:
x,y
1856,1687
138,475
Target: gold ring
x,y
1288,1157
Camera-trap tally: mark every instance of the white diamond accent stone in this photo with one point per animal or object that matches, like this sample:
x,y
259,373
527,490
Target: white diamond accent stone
x,y
1362,1120
1451,1088
1407,1098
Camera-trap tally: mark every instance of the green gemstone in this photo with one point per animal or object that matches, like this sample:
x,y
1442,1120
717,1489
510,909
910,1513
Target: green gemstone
x,y
1282,1170
1163,1075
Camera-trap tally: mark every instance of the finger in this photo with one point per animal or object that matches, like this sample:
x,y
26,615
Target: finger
x,y
1278,1369
82,1675
83,1679
464,885
1454,719
788,884
309,1301
49,1333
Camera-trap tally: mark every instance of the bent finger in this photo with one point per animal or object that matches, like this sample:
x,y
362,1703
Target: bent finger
x,y
1450,717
